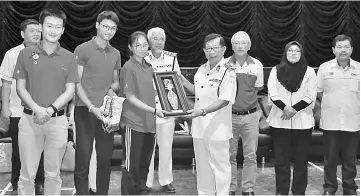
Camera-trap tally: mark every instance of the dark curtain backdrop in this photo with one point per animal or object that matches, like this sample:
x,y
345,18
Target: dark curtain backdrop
x,y
271,25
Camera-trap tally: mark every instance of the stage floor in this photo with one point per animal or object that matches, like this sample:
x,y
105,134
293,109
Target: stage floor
x,y
185,180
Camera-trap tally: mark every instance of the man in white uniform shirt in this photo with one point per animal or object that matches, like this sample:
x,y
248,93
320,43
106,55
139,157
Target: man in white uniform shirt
x,y
162,61
215,90
338,87
11,103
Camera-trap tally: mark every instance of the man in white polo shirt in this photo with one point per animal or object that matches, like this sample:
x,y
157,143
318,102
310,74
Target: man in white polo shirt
x,y
338,82
245,115
162,61
215,90
11,103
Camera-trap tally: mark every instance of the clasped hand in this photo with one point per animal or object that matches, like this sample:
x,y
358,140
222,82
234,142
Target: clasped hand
x,y
288,113
42,115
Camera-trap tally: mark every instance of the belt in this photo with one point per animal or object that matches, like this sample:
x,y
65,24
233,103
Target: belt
x,y
59,113
245,112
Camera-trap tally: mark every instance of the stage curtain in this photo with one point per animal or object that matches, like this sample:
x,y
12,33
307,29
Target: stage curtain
x,y
271,25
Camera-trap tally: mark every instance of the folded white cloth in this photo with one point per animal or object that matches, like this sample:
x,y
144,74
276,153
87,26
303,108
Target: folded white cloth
x,y
112,107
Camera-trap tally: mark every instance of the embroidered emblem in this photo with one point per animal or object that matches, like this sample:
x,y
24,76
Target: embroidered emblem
x,y
331,73
218,68
215,80
354,74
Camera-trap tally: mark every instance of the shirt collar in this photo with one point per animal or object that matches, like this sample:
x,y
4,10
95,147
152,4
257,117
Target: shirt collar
x,y
140,65
348,65
216,68
151,56
233,61
28,43
40,48
107,48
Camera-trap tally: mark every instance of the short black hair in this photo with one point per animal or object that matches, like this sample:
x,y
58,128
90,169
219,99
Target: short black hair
x,y
110,15
341,37
213,36
27,22
52,12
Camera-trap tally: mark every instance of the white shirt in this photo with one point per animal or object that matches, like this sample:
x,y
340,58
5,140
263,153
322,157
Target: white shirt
x,y
340,106
209,87
307,92
166,62
6,73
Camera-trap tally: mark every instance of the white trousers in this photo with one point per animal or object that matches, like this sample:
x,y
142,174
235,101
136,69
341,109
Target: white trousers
x,y
164,139
212,166
51,138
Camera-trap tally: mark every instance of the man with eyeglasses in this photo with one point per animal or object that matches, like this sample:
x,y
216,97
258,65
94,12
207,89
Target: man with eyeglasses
x,y
11,104
245,115
162,61
98,65
338,88
215,89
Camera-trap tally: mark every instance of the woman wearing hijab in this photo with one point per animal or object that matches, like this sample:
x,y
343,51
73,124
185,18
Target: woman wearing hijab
x,y
292,90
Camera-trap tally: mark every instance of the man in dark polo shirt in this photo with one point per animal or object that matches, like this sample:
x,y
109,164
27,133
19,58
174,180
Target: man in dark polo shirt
x,y
98,66
11,103
46,77
245,115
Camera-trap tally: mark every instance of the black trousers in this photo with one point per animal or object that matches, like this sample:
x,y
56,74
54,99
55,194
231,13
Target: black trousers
x,y
340,144
15,159
87,128
138,152
288,143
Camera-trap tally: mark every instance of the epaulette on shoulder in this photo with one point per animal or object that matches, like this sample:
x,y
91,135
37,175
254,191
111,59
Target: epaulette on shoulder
x,y
173,54
229,67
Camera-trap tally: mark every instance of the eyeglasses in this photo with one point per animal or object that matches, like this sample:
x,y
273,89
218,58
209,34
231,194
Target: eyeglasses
x,y
158,39
139,46
108,28
345,47
293,51
215,49
240,43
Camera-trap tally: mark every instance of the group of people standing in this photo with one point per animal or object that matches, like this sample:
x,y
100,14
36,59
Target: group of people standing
x,y
43,77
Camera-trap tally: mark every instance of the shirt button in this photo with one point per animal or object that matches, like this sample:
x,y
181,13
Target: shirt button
x,y
201,86
197,99
207,74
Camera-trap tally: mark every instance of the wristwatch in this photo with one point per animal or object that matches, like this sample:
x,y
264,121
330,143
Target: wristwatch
x,y
204,112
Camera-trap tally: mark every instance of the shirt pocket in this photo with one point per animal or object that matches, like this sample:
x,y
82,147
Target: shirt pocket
x,y
354,85
214,83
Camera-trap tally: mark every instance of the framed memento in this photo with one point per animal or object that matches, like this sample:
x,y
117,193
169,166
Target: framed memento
x,y
171,93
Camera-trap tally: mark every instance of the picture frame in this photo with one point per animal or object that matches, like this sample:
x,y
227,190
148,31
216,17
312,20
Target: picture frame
x,y
171,93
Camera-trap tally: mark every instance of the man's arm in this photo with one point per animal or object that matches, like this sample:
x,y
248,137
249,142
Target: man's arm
x,y
65,97
84,98
80,90
115,85
5,96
